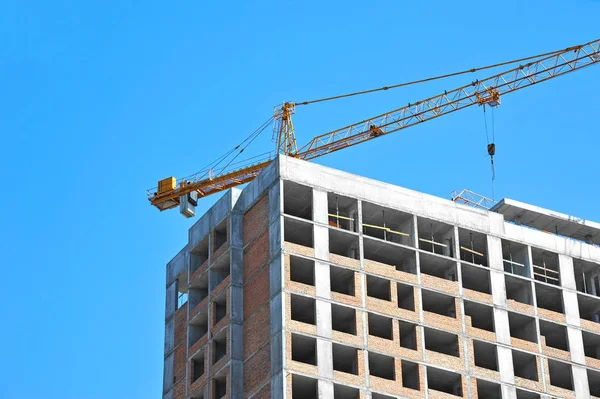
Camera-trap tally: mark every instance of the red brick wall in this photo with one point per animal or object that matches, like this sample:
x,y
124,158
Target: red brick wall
x,y
180,353
256,292
256,255
256,219
257,351
179,390
256,331
180,325
264,393
257,370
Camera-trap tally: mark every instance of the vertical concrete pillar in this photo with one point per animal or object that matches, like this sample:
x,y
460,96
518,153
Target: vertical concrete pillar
x,y
508,391
580,382
325,389
566,271
236,304
505,365
324,358
323,310
320,207
276,283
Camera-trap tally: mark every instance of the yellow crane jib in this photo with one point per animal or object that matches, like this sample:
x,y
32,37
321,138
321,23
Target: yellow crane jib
x,y
488,91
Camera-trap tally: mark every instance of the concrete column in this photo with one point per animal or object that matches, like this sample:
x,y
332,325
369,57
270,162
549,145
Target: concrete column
x,y
567,273
576,345
501,326
277,302
508,391
325,389
323,310
505,365
324,358
571,307
321,242
322,280
580,382
320,207
498,284
494,248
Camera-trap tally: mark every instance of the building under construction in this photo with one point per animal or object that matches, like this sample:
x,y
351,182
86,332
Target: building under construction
x,y
316,283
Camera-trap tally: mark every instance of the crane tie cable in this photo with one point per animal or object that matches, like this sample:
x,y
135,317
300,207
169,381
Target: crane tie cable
x,y
472,70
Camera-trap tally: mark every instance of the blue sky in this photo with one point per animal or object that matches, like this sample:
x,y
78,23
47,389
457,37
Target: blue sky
x,y
100,99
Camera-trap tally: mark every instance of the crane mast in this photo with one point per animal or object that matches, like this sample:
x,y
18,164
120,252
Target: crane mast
x,y
486,92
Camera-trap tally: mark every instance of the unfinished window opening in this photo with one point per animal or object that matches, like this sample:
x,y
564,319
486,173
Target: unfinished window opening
x,y
198,366
485,355
555,335
387,224
482,316
436,237
402,259
408,335
410,375
488,390
438,267
219,347
304,349
343,244
545,266
522,327
302,270
518,289
549,298
594,382
198,290
303,387
297,200
525,365
476,279
527,395
441,342
560,374
589,308
298,232
219,271
591,344
587,277
380,326
444,381
516,258
473,247
199,255
378,288
198,328
438,303
343,319
220,386
345,359
345,392
406,296
303,309
341,280
382,366
220,307
342,212
182,290
220,235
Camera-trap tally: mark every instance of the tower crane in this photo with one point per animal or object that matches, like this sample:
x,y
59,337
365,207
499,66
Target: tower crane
x,y
170,193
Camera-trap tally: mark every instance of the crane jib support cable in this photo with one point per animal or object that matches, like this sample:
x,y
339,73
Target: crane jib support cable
x,y
479,92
